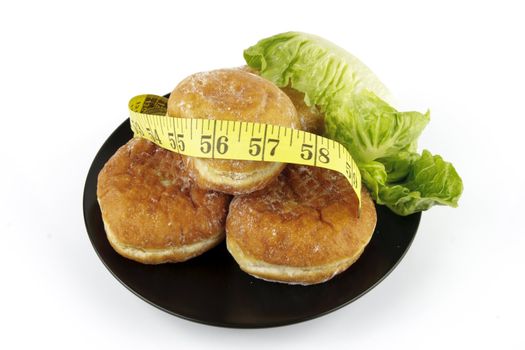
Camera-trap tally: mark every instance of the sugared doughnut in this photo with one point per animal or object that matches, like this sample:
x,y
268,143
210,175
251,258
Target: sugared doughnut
x,y
232,94
302,229
152,211
310,118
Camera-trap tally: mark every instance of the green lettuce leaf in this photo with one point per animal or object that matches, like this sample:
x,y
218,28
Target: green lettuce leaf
x,y
397,167
382,140
320,69
429,181
370,128
374,175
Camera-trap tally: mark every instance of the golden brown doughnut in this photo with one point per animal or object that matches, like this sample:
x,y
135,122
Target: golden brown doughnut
x,y
310,118
302,229
152,211
232,94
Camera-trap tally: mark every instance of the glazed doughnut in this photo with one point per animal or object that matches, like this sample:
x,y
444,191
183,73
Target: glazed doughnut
x,y
302,229
310,118
232,94
152,211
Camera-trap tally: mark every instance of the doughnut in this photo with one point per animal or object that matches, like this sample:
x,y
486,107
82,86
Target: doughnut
x,y
304,228
152,211
310,118
232,94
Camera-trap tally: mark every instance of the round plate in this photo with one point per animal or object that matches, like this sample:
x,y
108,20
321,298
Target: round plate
x,y
212,289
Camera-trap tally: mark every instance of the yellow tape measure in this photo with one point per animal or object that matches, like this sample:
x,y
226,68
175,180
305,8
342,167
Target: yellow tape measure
x,y
226,139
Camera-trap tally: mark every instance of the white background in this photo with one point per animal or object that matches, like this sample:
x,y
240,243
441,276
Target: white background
x,y
68,69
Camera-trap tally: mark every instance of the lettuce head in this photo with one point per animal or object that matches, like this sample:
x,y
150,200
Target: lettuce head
x,y
382,140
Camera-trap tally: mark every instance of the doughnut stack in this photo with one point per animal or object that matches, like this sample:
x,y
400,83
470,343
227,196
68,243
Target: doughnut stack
x,y
286,223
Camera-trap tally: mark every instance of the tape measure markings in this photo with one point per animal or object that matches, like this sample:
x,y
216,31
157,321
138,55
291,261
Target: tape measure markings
x,y
218,139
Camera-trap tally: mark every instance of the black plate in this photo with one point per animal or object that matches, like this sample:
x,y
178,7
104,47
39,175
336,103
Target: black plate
x,y
212,289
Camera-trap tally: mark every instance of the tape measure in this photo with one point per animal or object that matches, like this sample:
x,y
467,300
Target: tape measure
x,y
226,139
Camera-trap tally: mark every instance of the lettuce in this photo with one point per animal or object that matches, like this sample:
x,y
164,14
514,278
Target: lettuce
x,y
420,183
382,140
397,167
321,70
370,128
